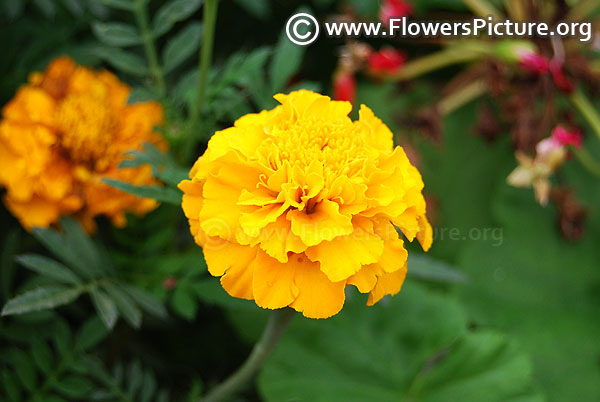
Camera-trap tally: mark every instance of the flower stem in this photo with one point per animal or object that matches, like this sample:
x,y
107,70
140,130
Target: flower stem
x,y
453,54
587,160
141,16
461,97
482,8
278,322
585,107
210,18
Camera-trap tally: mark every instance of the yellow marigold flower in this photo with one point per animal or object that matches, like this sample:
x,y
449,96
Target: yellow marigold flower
x,y
65,131
293,204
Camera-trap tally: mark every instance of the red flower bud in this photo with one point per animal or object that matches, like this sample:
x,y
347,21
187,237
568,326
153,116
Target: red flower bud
x,y
533,63
394,9
559,76
344,87
387,60
565,137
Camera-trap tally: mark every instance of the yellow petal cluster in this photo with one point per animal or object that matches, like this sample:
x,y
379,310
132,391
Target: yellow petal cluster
x,y
65,131
293,204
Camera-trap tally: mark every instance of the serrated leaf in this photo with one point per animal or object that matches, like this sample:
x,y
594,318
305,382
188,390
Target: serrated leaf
x,y
430,269
182,46
116,34
147,302
106,308
122,60
119,4
75,387
286,62
23,368
160,194
42,355
257,8
62,337
48,267
125,304
162,164
42,298
88,256
414,347
173,12
90,334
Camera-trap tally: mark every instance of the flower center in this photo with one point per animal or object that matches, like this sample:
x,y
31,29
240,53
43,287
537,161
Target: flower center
x,y
337,145
87,127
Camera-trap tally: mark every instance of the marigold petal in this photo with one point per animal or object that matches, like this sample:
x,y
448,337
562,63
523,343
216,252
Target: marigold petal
x,y
273,283
389,283
323,223
318,297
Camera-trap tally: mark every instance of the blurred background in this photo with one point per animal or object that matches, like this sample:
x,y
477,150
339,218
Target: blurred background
x,y
505,306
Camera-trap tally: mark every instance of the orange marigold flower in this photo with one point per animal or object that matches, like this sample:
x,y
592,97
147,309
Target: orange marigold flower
x,y
65,131
293,204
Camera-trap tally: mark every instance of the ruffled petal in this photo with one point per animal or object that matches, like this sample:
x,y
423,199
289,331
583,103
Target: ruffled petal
x,y
273,283
388,283
323,223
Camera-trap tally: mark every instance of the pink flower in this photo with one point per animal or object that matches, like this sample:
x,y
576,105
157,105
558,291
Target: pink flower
x,y
394,9
565,137
344,86
560,79
533,63
387,60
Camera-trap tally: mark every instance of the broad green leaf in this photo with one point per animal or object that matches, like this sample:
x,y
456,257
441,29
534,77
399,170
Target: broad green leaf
x,y
74,387
42,298
414,346
173,12
429,269
11,388
160,194
125,304
90,334
116,34
106,308
23,367
42,355
146,301
286,62
182,46
122,60
48,267
120,4
257,8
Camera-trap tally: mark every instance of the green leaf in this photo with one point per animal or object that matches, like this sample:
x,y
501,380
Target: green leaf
x,y
88,256
42,355
48,267
146,301
24,368
134,377
54,242
75,387
173,12
116,33
119,4
257,8
125,304
106,308
412,347
184,302
286,62
160,194
9,381
90,334
182,46
429,269
42,298
148,386
122,60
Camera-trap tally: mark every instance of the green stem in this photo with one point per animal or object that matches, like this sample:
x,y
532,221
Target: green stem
x,y
482,8
461,97
587,160
210,18
278,322
141,16
454,54
587,110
